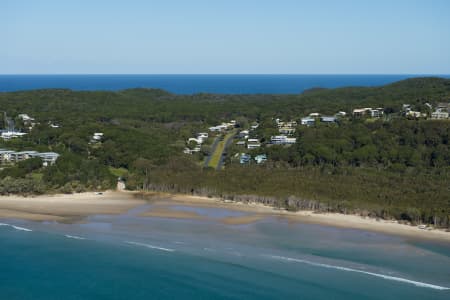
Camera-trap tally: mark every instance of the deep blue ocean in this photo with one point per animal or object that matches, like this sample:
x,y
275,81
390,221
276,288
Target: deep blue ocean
x,y
132,257
190,84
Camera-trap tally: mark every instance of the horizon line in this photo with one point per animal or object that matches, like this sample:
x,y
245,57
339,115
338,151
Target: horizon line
x,y
226,74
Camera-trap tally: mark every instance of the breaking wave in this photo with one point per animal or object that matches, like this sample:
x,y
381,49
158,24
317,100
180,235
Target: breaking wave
x,y
150,246
74,237
387,277
16,227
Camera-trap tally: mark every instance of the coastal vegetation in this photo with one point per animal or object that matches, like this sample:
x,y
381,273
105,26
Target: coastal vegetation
x,y
391,167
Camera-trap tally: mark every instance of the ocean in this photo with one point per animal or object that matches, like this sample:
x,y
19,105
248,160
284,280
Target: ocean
x,y
132,257
191,84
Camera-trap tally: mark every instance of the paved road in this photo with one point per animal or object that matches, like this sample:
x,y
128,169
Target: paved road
x,y
227,143
213,149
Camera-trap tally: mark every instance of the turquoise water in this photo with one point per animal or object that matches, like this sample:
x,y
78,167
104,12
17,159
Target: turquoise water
x,y
190,84
128,257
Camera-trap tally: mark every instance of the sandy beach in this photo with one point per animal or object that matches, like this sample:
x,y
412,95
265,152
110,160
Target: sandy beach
x,y
66,208
75,207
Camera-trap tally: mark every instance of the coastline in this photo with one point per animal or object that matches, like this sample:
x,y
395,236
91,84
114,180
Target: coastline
x,y
66,208
69,208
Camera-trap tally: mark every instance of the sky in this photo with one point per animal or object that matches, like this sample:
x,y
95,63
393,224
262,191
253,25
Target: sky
x,y
225,37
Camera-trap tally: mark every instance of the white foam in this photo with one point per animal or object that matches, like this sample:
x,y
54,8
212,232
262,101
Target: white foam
x,y
74,237
16,227
387,277
21,228
150,246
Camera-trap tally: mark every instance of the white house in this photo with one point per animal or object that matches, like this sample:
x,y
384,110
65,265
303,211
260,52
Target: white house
x,y
282,140
308,121
48,158
253,144
7,135
439,115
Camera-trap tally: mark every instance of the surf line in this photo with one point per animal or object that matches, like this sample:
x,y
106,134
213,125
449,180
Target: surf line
x,y
387,277
16,227
150,246
74,237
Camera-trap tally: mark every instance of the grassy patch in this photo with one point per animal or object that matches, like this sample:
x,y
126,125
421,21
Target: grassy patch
x,y
118,172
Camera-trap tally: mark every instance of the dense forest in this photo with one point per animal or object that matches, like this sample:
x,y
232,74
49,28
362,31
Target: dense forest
x,y
392,167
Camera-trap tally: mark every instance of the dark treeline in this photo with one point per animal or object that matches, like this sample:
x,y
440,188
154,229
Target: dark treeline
x,y
389,168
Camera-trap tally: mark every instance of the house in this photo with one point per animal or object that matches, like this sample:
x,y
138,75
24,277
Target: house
x,y
328,119
7,135
439,114
254,126
243,134
191,151
197,141
5,155
373,113
308,121
260,158
415,114
406,108
244,158
286,130
202,135
314,115
282,140
360,112
443,106
22,155
219,128
25,118
376,113
240,143
48,158
286,127
253,144
97,137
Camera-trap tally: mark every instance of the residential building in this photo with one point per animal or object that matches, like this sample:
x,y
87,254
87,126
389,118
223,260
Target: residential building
x,y
282,140
5,155
376,113
254,126
328,119
253,144
308,121
48,158
415,114
97,137
244,158
7,135
439,114
25,118
373,113
261,158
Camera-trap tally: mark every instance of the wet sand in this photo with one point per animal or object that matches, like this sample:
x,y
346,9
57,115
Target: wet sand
x,y
258,211
75,207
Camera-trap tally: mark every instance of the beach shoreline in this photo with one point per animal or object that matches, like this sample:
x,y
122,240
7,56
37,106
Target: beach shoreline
x,y
67,208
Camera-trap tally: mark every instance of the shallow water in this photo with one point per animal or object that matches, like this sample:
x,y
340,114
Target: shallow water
x,y
126,256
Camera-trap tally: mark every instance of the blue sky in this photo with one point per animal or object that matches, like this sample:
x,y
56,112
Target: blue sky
x,y
225,37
